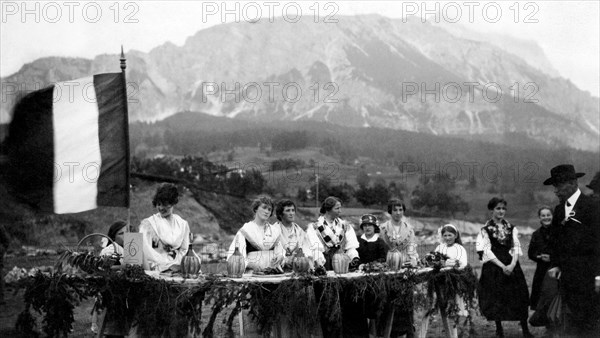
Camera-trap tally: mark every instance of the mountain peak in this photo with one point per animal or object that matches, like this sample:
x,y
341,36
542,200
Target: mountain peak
x,y
365,70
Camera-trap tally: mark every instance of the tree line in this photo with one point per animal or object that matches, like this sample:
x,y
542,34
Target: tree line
x,y
431,195
523,161
206,174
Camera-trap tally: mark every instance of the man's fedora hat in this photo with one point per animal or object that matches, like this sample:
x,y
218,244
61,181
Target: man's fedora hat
x,y
562,173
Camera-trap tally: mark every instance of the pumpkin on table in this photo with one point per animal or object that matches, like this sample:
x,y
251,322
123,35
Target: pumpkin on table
x,y
301,263
396,258
340,262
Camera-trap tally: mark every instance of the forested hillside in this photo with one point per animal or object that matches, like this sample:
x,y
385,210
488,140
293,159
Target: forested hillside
x,y
521,162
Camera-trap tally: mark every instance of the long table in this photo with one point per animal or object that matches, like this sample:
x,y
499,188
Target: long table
x,y
277,279
170,305
282,328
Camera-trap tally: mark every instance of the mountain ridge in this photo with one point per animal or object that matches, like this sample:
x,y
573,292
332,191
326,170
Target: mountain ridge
x,y
359,72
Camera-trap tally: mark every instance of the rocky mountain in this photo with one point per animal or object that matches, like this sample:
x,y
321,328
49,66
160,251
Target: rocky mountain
x,y
528,50
362,71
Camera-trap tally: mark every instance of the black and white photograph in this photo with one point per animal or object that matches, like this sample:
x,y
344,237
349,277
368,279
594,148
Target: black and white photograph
x,y
300,168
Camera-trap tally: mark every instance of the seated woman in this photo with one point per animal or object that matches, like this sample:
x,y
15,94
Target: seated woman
x,y
371,248
293,237
398,233
330,234
259,241
166,235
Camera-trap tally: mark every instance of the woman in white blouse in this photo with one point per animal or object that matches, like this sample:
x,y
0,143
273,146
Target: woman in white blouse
x,y
166,235
502,290
327,236
259,241
293,238
330,234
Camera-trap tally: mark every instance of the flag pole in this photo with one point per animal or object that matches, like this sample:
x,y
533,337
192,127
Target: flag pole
x,y
317,194
127,154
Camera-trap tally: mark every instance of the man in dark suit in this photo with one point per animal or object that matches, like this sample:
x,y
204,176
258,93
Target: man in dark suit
x,y
575,252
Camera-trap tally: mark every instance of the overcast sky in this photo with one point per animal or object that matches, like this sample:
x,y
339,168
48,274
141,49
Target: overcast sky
x,y
568,31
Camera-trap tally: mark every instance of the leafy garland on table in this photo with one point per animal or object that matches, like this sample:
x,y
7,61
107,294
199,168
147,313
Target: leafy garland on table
x,y
55,295
295,300
292,301
159,307
447,284
156,306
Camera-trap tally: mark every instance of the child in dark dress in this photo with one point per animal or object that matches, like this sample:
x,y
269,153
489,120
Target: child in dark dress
x,y
371,248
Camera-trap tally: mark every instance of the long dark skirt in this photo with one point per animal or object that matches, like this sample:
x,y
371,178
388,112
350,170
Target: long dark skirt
x,y
503,297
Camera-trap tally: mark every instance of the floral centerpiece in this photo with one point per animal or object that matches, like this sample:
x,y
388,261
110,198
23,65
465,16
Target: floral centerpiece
x,y
435,260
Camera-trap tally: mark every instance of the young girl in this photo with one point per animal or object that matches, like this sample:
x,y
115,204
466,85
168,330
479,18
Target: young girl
x,y
116,233
451,246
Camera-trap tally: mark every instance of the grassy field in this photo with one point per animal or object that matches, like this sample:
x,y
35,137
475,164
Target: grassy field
x,y
15,305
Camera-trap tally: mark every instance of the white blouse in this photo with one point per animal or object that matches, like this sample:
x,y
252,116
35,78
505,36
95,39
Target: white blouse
x,y
318,246
483,244
455,252
262,237
110,249
293,238
172,236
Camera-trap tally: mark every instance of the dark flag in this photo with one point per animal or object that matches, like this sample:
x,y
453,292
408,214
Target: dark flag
x,y
68,146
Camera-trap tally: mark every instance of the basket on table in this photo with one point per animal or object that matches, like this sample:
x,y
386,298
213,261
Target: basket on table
x,y
87,254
